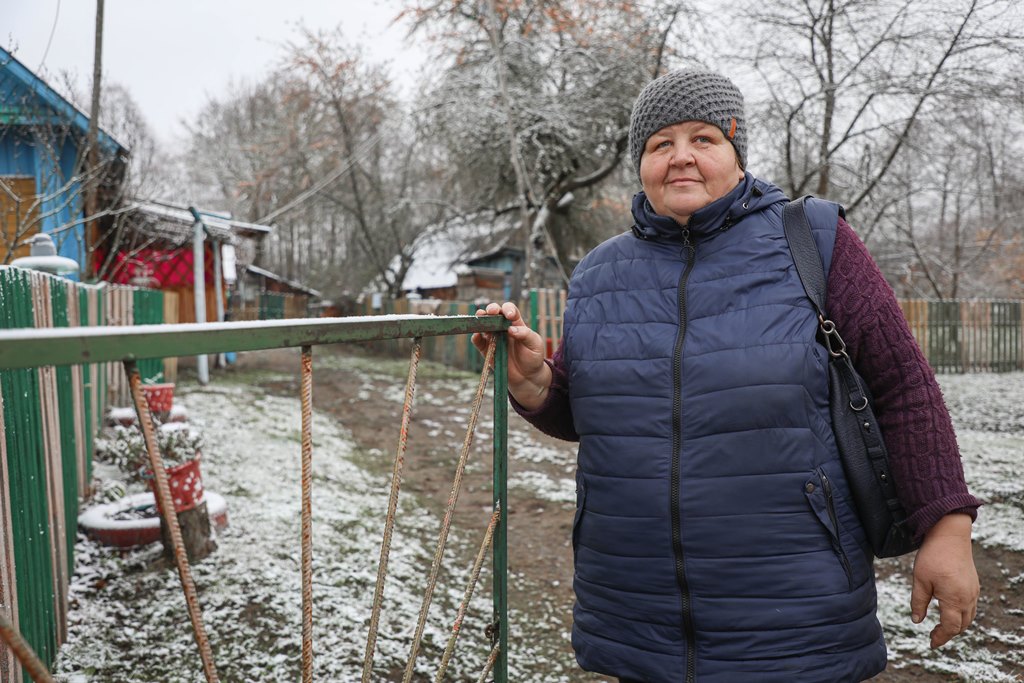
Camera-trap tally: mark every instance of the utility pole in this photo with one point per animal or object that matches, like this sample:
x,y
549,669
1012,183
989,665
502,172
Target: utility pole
x,y
91,186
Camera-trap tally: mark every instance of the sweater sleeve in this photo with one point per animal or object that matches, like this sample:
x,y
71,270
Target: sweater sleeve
x,y
554,416
918,432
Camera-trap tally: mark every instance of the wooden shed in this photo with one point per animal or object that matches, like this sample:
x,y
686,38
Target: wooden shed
x,y
159,245
263,295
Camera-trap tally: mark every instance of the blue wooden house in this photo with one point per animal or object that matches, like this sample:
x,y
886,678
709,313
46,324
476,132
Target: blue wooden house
x,y
42,166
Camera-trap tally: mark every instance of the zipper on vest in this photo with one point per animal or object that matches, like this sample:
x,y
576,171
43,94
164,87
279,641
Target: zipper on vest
x,y
677,443
837,546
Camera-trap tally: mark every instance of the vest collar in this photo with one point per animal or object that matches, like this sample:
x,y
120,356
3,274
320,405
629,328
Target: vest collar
x,y
749,195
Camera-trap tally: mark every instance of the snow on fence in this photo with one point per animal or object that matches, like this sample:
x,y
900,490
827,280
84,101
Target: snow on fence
x,y
542,309
47,422
455,351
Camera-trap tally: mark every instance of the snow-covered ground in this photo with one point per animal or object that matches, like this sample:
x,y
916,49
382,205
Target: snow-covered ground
x,y
250,587
988,412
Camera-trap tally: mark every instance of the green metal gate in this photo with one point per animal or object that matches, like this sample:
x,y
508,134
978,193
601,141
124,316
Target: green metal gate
x,y
22,353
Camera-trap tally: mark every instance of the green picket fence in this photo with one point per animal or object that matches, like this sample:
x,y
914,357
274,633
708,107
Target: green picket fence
x,y
976,335
40,611
960,335
48,420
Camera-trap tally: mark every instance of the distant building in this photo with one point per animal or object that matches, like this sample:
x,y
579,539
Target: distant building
x,y
43,169
155,248
263,295
473,258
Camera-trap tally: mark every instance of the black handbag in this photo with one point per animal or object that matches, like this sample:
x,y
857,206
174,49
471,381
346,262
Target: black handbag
x,y
861,448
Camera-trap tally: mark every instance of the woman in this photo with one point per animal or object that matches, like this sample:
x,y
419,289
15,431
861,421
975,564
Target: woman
x,y
714,536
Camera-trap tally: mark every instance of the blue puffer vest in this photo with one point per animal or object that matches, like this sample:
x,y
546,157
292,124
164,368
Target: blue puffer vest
x,y
715,539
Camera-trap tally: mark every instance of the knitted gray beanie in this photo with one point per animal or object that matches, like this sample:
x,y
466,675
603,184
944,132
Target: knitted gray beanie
x,y
687,95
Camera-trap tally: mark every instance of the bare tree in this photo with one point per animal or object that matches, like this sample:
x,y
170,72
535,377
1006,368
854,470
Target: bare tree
x,y
324,151
534,109
862,102
954,229
848,80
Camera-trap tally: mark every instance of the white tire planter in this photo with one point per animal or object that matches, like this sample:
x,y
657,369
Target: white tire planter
x,y
99,521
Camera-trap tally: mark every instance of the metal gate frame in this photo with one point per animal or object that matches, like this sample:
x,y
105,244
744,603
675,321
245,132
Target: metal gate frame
x,y
71,346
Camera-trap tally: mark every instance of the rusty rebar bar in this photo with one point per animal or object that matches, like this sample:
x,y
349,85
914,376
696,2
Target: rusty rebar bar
x,y
474,576
23,652
446,523
307,513
389,521
170,517
490,663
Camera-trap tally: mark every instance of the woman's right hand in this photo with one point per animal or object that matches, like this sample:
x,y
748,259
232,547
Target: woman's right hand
x,y
528,375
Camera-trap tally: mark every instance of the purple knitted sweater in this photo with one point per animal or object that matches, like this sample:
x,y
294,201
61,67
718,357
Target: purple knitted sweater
x,y
917,429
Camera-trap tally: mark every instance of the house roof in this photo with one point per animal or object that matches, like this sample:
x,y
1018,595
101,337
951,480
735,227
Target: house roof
x,y
255,270
35,85
441,249
174,223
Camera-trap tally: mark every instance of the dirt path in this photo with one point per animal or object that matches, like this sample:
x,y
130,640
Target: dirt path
x,y
365,394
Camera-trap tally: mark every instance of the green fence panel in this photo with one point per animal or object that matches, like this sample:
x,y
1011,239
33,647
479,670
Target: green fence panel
x,y
66,414
944,336
87,380
148,305
271,306
101,370
27,472
1006,336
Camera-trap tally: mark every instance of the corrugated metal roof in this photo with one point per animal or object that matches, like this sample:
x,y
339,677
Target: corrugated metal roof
x,y
256,270
175,222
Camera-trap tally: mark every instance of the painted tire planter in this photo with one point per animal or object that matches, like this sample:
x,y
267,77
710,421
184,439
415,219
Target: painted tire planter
x,y
133,520
160,397
186,484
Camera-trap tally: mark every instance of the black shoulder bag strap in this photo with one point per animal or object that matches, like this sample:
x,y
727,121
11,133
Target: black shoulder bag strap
x,y
812,276
805,253
857,433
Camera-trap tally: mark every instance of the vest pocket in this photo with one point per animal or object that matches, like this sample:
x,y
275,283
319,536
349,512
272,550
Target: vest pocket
x,y
818,490
581,497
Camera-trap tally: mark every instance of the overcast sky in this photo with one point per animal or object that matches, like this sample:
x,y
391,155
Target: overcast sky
x,y
172,55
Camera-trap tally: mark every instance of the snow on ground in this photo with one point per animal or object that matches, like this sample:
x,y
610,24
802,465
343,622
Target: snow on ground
x,y
250,587
988,413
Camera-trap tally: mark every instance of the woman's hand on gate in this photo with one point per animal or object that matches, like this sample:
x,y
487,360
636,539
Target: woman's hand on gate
x,y
528,375
944,570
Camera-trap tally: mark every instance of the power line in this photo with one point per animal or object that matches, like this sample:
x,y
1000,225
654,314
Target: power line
x,y
53,29
360,152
